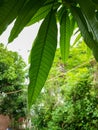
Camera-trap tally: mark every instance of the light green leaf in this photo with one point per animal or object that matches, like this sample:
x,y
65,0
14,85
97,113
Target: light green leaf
x,y
9,10
72,24
27,12
88,10
89,52
41,13
65,36
42,55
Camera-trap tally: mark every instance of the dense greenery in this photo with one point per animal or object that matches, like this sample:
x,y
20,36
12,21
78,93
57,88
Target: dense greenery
x,y
69,14
69,99
12,79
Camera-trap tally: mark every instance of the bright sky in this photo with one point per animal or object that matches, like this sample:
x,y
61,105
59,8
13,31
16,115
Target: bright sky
x,y
23,43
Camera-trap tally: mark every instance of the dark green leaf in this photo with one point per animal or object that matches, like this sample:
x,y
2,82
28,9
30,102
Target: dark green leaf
x,y
8,12
27,12
84,31
42,55
88,10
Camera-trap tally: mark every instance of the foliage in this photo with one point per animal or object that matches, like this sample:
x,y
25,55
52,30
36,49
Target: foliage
x,y
69,98
69,14
12,78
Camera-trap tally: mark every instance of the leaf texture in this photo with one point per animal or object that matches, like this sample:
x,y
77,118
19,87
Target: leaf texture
x,y
42,55
41,13
27,12
88,9
65,36
9,10
88,38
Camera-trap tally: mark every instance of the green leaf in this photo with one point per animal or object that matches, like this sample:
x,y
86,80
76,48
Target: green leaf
x,y
88,38
27,12
65,36
83,26
42,55
8,12
41,13
72,24
60,13
88,10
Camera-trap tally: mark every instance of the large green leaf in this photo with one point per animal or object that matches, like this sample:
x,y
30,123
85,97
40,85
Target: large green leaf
x,y
83,26
27,12
91,43
88,10
41,13
8,12
42,55
65,36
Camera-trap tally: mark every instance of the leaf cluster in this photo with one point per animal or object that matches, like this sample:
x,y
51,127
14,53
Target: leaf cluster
x,y
69,14
12,79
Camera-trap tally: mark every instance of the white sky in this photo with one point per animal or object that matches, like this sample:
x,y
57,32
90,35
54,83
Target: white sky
x,y
23,43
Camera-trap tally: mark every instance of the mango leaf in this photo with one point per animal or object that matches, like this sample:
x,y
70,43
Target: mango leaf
x,y
25,15
88,10
41,13
72,24
65,36
88,38
60,13
8,12
42,55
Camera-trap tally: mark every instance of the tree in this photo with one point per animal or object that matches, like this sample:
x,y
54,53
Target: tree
x,y
12,79
69,98
70,14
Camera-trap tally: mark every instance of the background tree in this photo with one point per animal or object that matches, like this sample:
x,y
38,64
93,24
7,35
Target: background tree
x,y
12,84
69,98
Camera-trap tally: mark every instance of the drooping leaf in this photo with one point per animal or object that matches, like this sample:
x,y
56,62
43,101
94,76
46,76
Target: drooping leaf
x,y
60,13
72,24
88,10
83,26
27,12
42,55
65,36
8,12
41,13
88,38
